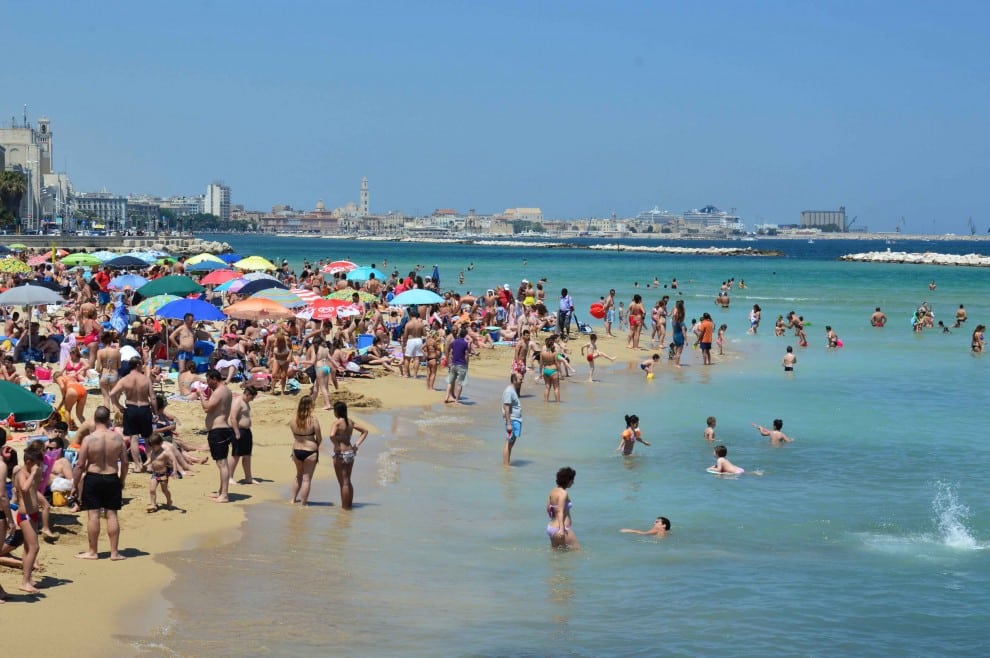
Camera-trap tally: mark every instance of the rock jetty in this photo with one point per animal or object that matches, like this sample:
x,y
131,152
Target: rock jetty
x,y
692,251
925,258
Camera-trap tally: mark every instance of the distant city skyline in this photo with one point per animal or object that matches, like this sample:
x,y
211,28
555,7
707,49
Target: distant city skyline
x,y
581,110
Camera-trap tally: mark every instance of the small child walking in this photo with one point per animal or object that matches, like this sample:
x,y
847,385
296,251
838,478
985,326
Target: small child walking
x,y
161,464
720,340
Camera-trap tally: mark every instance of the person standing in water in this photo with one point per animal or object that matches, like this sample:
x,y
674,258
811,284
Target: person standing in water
x,y
344,453
777,437
512,412
559,511
630,436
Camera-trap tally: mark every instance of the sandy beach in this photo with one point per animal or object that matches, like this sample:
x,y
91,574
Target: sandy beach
x,y
127,594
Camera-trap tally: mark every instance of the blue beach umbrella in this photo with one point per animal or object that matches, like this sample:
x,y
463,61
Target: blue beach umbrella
x,y
147,256
132,281
205,266
233,285
257,285
416,297
364,273
124,262
231,258
201,311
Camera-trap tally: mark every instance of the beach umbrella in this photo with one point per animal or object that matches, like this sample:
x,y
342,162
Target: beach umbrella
x,y
205,266
254,263
364,273
167,260
305,294
217,277
252,287
150,306
146,256
339,266
22,403
347,293
13,266
417,296
81,259
41,259
125,262
258,309
51,285
198,258
4,249
230,259
348,311
280,296
201,311
174,284
322,309
104,255
26,295
132,281
254,276
232,285
17,246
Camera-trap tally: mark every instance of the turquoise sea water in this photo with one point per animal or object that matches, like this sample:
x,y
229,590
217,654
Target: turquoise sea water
x,y
864,537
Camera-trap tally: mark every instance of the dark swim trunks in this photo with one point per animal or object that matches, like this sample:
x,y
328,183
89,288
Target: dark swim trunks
x,y
138,421
102,491
219,440
242,447
706,347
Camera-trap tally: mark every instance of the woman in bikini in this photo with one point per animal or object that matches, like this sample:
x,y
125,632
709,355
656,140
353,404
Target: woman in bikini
x,y
324,371
636,316
677,330
559,510
280,357
431,349
107,364
549,362
306,438
70,382
343,452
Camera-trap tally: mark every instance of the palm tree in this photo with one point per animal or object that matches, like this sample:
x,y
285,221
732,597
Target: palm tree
x,y
13,187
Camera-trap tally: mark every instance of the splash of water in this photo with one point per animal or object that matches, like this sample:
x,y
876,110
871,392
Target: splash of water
x,y
950,518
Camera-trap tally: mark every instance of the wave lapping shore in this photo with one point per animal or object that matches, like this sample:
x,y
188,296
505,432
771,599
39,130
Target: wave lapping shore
x,y
925,258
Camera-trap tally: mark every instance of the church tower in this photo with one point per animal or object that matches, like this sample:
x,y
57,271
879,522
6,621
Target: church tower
x,y
44,137
365,208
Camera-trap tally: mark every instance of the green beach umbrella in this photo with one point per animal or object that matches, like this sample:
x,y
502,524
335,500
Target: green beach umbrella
x,y
347,293
17,246
151,305
174,284
167,260
81,259
24,404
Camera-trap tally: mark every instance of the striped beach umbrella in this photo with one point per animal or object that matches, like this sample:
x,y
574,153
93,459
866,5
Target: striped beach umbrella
x,y
305,294
151,305
231,285
339,266
283,297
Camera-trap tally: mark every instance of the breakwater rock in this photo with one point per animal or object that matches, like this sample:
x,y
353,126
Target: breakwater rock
x,y
924,258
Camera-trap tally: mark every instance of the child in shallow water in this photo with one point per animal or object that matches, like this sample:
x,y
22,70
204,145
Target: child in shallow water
x,y
630,436
723,465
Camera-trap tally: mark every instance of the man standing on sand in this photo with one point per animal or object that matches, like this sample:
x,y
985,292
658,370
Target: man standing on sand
x,y
609,307
219,434
512,412
706,330
776,436
412,344
140,400
460,355
183,339
240,422
102,468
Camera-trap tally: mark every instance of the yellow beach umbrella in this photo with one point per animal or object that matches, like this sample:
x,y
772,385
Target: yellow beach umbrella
x,y
14,266
254,263
199,258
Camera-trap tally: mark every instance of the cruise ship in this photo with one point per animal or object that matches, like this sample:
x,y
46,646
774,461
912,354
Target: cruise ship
x,y
711,217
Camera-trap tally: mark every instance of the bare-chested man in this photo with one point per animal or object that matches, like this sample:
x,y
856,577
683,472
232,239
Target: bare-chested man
x,y
103,461
219,433
878,319
777,438
140,403
183,339
519,356
412,344
240,422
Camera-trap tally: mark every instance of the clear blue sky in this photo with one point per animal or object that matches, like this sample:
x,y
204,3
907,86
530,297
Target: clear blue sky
x,y
580,108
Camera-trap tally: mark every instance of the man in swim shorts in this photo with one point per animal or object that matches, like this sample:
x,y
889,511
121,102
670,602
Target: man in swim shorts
x,y
219,434
460,355
139,395
240,422
519,355
101,467
609,307
184,340
412,344
706,330
512,412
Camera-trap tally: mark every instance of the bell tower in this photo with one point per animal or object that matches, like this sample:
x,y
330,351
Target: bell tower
x,y
365,206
